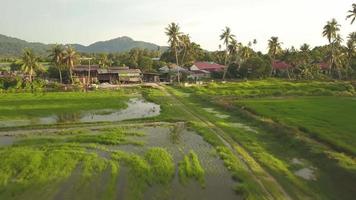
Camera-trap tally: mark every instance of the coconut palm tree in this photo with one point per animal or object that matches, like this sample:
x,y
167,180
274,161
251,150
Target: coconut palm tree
x,y
352,13
70,58
233,50
350,48
30,64
57,58
305,48
104,61
185,44
274,48
245,53
330,31
226,37
173,33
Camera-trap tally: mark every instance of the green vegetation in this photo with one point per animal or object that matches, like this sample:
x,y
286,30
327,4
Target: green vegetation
x,y
275,87
156,167
162,166
57,103
329,119
276,145
190,167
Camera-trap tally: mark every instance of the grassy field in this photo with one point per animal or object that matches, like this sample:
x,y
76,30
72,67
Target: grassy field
x,y
329,119
264,157
275,87
281,149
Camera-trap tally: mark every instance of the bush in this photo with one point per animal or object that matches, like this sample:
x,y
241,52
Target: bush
x,y
255,67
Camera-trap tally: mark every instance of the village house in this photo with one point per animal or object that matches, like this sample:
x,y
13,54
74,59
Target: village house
x,y
151,77
85,74
207,66
281,68
170,72
113,75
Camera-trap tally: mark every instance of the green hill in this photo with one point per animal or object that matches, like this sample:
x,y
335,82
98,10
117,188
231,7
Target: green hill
x,y
13,47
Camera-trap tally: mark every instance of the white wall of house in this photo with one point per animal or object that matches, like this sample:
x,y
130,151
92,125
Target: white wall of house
x,y
194,68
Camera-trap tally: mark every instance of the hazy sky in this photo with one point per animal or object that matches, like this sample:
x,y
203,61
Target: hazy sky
x,y
87,21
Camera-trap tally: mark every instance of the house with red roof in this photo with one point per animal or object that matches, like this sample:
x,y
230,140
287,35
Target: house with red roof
x,y
207,66
280,65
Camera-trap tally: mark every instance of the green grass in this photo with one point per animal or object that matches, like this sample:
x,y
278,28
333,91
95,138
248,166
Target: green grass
x,y
190,167
155,167
274,145
329,119
20,105
275,87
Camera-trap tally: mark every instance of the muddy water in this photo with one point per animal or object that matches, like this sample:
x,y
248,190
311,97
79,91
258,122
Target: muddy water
x,y
179,141
137,108
7,141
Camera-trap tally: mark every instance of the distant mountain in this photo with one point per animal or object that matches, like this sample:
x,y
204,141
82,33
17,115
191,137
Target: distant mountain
x,y
119,44
13,47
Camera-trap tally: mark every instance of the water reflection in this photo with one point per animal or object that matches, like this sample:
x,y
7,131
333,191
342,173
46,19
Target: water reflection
x,y
136,108
68,117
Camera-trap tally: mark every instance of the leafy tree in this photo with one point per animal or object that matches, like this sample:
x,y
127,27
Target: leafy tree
x,y
145,63
255,67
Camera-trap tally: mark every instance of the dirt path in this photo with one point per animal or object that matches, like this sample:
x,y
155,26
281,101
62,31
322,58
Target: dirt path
x,y
264,181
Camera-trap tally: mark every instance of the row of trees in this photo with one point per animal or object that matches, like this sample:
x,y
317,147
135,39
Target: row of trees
x,y
305,62
241,60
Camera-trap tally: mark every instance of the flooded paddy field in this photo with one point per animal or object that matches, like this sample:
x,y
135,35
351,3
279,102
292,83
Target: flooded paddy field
x,y
167,161
136,108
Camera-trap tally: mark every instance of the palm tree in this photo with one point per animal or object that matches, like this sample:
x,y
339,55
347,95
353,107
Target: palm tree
x,y
274,47
104,61
70,58
186,45
245,53
226,37
57,58
350,47
352,13
330,31
305,48
233,49
30,64
173,33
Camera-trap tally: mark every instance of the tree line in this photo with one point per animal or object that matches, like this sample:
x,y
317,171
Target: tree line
x,y
241,60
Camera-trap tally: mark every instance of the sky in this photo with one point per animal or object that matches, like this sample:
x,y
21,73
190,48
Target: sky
x,y
86,21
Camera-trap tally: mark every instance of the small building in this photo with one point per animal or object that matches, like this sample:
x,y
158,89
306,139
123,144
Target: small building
x,y
85,74
207,66
170,73
113,75
110,75
130,76
151,77
199,75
